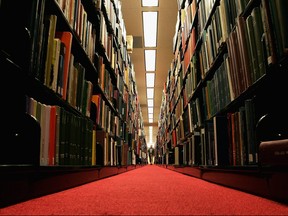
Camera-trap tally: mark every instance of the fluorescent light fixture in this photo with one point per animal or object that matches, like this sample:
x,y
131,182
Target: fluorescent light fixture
x,y
150,19
150,79
150,116
150,102
150,3
150,110
150,60
150,92
150,120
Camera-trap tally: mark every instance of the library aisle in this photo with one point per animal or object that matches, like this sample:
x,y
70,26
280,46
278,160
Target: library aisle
x,y
148,190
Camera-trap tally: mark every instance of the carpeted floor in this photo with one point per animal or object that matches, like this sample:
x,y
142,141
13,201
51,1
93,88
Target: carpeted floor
x,y
148,190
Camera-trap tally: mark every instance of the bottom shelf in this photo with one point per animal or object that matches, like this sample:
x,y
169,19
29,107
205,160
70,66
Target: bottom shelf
x,y
268,182
18,184
21,183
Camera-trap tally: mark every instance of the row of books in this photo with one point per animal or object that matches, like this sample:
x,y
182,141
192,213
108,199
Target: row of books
x,y
52,52
69,139
233,51
224,140
55,44
66,139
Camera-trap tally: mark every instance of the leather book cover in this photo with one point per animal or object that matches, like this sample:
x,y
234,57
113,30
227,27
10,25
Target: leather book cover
x,y
274,152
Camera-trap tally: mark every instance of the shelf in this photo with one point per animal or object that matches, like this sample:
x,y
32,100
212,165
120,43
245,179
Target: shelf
x,y
268,182
21,183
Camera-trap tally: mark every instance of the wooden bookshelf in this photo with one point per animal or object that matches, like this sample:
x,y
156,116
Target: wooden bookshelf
x,y
237,54
22,183
96,62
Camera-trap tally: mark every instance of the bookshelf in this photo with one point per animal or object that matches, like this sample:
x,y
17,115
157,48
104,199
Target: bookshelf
x,y
74,113
227,74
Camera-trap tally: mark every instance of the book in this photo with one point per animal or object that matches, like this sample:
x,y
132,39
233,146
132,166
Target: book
x,y
89,140
71,86
279,17
243,136
223,20
55,64
270,49
37,18
101,146
196,157
243,50
52,21
94,150
80,86
203,141
62,52
62,136
57,133
89,98
253,49
273,152
52,135
65,37
45,130
251,130
221,140
176,155
235,138
258,33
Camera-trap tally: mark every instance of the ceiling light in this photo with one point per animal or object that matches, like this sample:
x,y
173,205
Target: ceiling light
x,y
150,102
150,28
150,60
150,110
150,78
150,120
150,116
150,3
150,92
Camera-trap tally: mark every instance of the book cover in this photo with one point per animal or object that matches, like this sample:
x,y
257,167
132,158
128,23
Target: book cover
x,y
258,33
52,136
251,131
59,88
270,49
279,18
253,49
50,50
94,150
101,146
243,50
66,37
273,152
221,140
55,64
71,88
57,133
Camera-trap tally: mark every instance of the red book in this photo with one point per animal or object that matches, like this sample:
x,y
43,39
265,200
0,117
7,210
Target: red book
x,y
66,38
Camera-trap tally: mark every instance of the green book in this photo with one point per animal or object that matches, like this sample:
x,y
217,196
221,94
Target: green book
x,y
253,49
258,32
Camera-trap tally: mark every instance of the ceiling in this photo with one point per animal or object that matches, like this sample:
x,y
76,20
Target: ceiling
x,y
167,16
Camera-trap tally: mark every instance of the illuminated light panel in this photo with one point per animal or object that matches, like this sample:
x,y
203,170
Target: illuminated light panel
x,y
150,93
150,19
150,80
150,60
150,102
150,3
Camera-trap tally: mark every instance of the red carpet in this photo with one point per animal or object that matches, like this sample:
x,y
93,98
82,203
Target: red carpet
x,y
149,190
